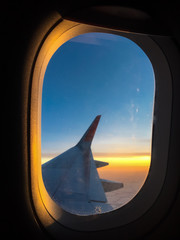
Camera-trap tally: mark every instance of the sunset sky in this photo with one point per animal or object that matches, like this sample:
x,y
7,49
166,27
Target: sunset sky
x,y
104,74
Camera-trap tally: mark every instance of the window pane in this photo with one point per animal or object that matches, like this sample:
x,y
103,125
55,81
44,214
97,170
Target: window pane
x,y
97,74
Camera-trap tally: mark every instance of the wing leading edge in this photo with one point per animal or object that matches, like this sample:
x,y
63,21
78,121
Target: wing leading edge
x,y
72,179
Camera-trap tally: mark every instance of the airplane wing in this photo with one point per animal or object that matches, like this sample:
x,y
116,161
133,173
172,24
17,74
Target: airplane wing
x,y
72,179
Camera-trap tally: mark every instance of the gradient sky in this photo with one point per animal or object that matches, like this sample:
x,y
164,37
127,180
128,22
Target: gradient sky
x,y
92,74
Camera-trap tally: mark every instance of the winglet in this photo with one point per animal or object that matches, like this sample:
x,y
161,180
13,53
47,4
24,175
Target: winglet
x,y
89,134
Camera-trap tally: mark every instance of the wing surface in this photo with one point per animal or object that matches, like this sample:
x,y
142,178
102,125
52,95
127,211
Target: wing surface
x,y
72,179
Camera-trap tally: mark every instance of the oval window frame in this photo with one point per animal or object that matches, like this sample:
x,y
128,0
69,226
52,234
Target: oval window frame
x,y
47,211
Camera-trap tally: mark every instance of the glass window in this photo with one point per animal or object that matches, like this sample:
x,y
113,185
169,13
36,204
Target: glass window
x,y
104,81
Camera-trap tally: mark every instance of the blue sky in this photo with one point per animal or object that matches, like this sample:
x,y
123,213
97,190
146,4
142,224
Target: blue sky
x,y
92,74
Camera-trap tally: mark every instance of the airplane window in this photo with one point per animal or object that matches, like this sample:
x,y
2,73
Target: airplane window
x,y
96,127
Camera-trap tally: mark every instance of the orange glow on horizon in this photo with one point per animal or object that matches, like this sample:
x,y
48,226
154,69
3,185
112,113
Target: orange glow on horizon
x,y
118,160
127,161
